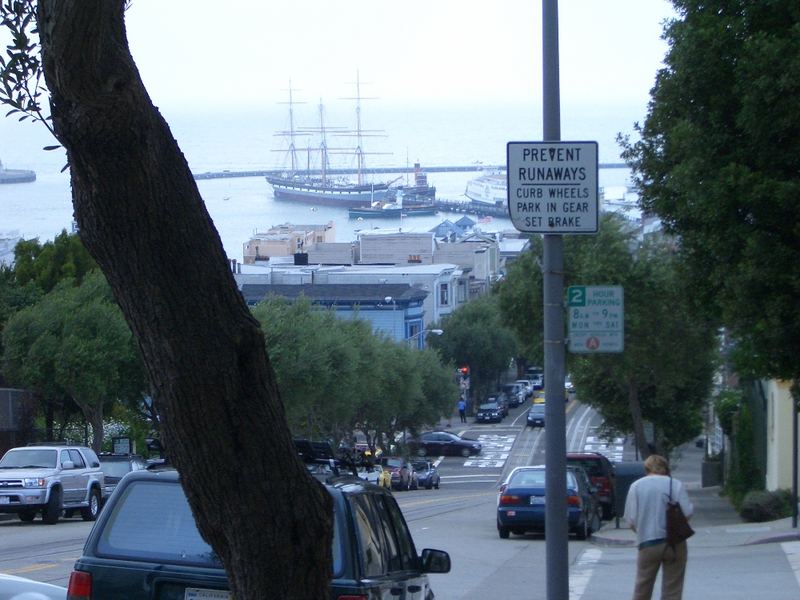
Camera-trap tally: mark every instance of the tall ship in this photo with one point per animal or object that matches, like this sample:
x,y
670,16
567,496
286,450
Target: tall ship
x,y
315,184
491,187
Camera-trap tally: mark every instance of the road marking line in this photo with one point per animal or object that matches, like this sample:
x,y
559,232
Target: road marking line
x,y
31,568
792,550
579,577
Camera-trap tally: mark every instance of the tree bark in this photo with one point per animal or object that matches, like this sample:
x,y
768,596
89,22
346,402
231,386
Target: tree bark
x,y
635,408
142,219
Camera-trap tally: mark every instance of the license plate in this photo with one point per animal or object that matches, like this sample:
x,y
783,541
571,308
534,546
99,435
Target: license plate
x,y
203,594
537,499
5,500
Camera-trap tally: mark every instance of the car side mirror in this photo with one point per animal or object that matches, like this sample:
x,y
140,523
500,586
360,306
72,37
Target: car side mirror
x,y
435,561
67,464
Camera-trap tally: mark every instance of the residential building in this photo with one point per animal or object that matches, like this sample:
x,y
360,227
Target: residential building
x,y
286,240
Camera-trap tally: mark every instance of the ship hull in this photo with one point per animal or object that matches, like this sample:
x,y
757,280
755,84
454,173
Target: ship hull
x,y
345,196
16,176
488,189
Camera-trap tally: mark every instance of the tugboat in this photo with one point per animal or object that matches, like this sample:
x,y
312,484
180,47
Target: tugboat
x,y
388,210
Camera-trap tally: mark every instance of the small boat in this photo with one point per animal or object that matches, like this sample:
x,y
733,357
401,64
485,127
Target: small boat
x,y
388,210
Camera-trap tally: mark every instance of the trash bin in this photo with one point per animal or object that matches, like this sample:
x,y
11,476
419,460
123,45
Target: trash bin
x,y
625,474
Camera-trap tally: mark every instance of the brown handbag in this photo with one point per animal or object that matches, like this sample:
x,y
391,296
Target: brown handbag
x,y
678,528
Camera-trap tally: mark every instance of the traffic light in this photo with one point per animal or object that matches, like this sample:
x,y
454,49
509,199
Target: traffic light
x,y
464,371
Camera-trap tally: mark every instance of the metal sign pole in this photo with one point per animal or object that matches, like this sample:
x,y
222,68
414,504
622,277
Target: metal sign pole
x,y
556,542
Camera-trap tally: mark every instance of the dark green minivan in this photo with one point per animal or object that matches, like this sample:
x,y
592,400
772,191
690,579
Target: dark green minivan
x,y
145,545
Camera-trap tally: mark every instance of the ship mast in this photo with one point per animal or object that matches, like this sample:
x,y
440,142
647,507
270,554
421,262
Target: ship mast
x,y
291,133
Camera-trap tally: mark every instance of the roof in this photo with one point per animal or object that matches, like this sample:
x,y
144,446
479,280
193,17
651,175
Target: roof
x,y
341,293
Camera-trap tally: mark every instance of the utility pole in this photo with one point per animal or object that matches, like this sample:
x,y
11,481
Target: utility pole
x,y
556,532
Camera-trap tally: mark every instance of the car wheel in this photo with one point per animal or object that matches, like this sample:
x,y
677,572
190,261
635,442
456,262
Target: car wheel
x,y
503,532
596,523
465,452
53,509
27,516
437,484
582,530
90,512
421,451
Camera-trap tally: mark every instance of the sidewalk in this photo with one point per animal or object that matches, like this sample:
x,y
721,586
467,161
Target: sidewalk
x,y
715,521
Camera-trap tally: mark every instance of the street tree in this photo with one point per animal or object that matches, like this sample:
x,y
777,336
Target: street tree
x,y
74,343
717,160
144,222
474,336
664,374
65,257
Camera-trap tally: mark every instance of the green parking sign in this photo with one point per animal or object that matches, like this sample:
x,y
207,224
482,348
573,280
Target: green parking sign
x,y
595,318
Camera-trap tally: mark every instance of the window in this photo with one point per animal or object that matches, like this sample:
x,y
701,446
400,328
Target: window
x,y
151,511
444,294
369,538
76,458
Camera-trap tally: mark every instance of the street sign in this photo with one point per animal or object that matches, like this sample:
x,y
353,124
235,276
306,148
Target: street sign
x,y
596,318
552,186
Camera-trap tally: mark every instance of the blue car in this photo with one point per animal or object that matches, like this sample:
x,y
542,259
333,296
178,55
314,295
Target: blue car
x,y
521,504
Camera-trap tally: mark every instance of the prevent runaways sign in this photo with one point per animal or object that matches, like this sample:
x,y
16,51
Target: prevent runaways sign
x,y
552,186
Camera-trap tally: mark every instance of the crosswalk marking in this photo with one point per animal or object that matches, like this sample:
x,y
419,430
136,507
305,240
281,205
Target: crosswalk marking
x,y
495,452
580,575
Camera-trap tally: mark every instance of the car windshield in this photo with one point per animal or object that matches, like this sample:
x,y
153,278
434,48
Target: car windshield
x,y
420,466
537,409
523,478
489,406
22,459
395,463
115,468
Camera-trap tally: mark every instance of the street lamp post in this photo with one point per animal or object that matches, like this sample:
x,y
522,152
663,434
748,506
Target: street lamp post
x,y
421,334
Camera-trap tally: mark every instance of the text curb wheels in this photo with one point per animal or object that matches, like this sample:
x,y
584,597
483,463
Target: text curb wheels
x,y
90,512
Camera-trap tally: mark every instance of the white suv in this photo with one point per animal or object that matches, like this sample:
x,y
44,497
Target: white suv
x,y
50,480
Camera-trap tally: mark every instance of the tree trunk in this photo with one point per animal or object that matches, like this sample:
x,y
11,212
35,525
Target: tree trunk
x,y
142,219
636,416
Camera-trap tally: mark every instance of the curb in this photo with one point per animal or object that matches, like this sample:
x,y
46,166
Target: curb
x,y
790,536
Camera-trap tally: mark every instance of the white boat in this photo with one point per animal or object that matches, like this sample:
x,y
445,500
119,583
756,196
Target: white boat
x,y
491,187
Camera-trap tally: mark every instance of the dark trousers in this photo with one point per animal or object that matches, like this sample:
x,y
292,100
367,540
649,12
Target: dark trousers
x,y
463,415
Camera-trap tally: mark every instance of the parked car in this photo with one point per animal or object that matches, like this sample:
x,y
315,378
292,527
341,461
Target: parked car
x,y
601,473
376,474
374,553
50,479
536,415
115,467
521,503
502,402
402,475
489,412
13,588
527,387
515,393
427,474
569,387
437,443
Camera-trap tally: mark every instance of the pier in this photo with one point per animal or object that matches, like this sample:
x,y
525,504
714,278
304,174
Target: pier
x,y
375,170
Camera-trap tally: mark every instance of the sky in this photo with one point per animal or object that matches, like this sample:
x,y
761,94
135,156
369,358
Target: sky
x,y
201,53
